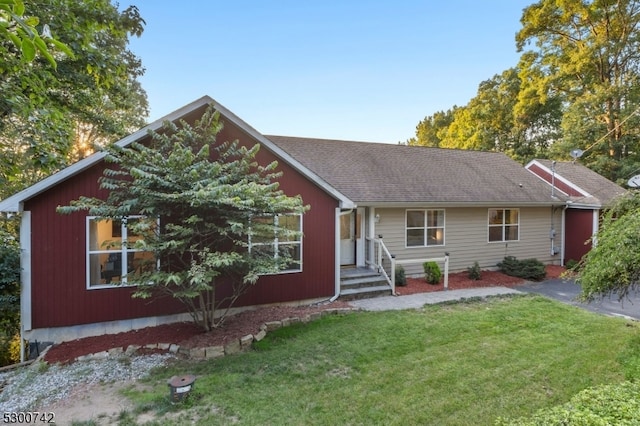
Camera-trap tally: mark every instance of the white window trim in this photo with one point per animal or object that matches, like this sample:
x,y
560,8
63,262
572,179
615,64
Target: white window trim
x,y
503,226
426,228
124,250
276,244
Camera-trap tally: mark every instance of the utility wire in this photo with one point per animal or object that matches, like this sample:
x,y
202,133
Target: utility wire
x,y
610,131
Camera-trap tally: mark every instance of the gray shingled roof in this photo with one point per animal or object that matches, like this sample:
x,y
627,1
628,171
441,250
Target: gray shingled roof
x,y
371,173
601,190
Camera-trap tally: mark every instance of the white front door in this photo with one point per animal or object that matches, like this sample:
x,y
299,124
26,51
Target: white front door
x,y
350,224
348,239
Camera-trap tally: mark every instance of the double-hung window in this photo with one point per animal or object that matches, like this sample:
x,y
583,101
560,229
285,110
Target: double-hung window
x,y
424,228
276,237
504,225
112,256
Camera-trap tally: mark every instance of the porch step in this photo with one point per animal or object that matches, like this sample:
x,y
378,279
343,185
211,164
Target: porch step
x,y
362,284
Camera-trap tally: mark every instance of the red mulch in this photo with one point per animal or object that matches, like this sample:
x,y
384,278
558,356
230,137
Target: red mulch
x,y
461,280
248,322
184,334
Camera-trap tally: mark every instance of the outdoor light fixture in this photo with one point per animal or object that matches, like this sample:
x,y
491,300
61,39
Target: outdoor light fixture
x,y
180,387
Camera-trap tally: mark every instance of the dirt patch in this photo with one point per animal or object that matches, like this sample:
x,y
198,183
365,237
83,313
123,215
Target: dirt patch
x,y
101,403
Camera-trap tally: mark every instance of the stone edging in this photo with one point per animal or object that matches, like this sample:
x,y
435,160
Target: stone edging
x,y
211,352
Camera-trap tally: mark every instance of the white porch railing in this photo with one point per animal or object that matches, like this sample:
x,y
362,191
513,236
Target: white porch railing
x,y
444,259
383,261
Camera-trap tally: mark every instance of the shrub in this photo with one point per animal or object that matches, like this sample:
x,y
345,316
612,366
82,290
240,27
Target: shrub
x,y
474,272
401,279
529,269
432,272
571,264
616,404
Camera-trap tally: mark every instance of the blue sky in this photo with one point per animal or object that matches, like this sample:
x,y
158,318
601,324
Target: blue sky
x,y
349,69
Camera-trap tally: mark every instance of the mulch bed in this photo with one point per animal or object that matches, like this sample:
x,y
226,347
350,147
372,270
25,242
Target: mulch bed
x,y
461,280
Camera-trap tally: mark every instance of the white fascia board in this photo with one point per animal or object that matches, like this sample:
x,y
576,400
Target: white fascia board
x,y
14,203
431,204
345,202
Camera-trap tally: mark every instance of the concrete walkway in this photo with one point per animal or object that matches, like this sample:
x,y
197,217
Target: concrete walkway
x,y
417,301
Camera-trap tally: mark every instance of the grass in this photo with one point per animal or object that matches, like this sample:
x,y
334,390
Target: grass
x,y
445,365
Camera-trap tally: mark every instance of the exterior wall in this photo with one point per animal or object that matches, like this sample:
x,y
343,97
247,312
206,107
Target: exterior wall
x,y
579,229
59,297
466,238
317,279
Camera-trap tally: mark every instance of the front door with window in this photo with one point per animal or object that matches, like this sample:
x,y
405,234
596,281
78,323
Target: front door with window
x,y
349,236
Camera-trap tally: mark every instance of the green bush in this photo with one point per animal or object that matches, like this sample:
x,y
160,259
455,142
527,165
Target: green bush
x,y
432,272
401,278
571,264
617,404
529,269
474,272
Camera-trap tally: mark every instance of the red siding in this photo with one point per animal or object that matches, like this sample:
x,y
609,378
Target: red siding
x,y
317,278
546,176
59,295
578,229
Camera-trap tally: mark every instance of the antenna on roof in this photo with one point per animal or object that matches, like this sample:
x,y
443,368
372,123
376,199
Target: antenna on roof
x,y
576,153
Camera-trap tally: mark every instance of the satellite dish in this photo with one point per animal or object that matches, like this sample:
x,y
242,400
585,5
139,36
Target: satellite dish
x,y
634,182
576,153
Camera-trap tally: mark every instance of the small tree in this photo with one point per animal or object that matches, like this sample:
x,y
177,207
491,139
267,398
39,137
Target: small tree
x,y
613,263
212,200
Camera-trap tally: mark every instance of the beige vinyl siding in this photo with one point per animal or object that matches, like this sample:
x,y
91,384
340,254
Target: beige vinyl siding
x,y
466,238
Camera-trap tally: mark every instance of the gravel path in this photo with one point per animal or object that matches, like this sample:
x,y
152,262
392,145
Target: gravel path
x,y
40,385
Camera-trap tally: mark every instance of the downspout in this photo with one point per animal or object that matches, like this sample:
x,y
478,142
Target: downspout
x,y
564,234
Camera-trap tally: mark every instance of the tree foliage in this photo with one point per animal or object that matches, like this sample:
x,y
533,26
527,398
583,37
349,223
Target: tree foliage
x,y
576,86
209,197
21,30
429,131
612,266
52,117
9,294
587,53
491,121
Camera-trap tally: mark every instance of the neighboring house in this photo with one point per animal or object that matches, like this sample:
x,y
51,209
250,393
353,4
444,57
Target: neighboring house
x,y
365,200
586,192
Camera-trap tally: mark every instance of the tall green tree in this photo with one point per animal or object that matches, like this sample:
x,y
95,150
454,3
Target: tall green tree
x,y
93,97
496,120
587,54
212,200
429,130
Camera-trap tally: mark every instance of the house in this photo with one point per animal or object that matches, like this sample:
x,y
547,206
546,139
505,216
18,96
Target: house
x,y
586,193
371,206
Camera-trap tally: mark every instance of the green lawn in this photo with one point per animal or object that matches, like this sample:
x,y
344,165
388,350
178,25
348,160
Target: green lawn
x,y
454,364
